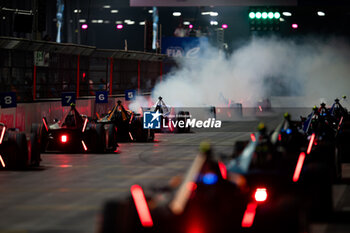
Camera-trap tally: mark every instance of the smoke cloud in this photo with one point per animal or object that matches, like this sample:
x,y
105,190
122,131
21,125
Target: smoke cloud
x,y
263,67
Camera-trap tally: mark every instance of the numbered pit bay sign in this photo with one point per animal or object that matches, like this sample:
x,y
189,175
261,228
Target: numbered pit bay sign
x,y
130,95
101,97
68,98
8,100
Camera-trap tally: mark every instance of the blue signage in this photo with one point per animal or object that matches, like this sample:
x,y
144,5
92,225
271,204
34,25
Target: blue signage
x,y
101,97
8,100
130,95
68,98
190,47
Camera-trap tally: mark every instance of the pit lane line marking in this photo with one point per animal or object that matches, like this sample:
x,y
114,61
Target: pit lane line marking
x,y
58,207
67,190
139,176
118,166
14,231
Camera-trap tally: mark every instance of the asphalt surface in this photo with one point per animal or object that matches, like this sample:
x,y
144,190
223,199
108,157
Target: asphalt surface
x,y
67,192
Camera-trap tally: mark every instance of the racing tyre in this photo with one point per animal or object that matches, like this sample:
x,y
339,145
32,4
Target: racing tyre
x,y
112,138
101,138
10,155
35,150
22,155
41,135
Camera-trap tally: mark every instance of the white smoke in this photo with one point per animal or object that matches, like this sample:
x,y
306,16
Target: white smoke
x,y
262,67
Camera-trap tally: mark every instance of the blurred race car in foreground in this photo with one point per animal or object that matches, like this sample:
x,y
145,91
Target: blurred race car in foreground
x,y
15,151
210,199
125,125
73,134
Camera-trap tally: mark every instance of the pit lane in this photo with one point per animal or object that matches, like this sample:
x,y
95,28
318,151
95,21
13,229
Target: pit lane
x,y
67,192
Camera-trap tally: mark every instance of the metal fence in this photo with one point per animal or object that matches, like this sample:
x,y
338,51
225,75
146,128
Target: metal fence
x,y
39,70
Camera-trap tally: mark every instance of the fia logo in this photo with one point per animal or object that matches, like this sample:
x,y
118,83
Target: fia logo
x,y
151,120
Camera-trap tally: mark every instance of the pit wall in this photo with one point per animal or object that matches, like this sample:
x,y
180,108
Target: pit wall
x,y
25,114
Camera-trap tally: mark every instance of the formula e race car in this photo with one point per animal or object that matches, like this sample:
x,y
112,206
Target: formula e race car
x,y
170,122
125,125
209,200
15,151
73,134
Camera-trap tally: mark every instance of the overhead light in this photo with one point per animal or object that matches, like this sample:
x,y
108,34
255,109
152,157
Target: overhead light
x,y
114,11
258,15
77,11
206,13
214,14
282,19
186,23
150,11
82,20
277,15
264,15
118,22
176,14
100,21
94,21
130,22
321,13
214,23
106,6
286,13
142,23
107,21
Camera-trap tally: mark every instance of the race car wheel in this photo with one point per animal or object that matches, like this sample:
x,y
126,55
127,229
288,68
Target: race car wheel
x,y
10,157
35,150
101,138
22,155
41,135
112,138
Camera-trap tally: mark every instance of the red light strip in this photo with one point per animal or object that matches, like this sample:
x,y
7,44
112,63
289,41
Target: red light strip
x,y
340,122
223,170
141,205
2,162
260,108
82,142
132,139
310,144
2,134
47,129
252,136
249,215
85,123
299,167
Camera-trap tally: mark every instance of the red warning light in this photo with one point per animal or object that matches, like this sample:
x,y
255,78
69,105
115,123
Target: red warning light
x,y
260,194
64,138
295,26
120,26
84,26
